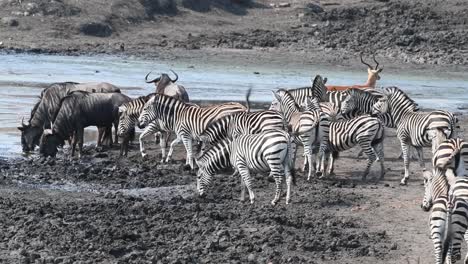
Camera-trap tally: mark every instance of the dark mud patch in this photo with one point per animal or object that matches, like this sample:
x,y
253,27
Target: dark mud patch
x,y
122,225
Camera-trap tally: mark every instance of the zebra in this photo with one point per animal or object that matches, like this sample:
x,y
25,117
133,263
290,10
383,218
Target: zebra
x,y
187,121
305,125
270,150
446,192
241,123
415,128
317,90
128,117
366,131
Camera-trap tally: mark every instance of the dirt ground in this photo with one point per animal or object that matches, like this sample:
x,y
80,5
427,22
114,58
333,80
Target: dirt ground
x,y
403,33
103,208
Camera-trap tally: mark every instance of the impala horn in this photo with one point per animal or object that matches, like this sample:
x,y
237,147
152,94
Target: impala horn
x,y
376,62
365,63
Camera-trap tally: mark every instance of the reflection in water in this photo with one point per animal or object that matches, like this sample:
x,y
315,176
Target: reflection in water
x,y
22,77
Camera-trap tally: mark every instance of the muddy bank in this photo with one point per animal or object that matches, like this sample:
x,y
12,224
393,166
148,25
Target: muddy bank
x,y
115,219
330,32
129,210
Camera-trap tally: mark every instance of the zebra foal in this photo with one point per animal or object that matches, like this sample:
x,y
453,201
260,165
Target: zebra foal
x,y
270,150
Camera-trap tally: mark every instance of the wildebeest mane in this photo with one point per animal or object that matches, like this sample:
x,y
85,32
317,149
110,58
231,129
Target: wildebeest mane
x,y
69,95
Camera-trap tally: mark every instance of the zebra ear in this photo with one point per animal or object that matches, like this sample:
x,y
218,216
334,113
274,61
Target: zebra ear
x,y
122,109
427,174
276,95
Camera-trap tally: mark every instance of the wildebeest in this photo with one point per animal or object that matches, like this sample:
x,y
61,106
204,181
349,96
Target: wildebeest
x,y
77,110
165,85
47,105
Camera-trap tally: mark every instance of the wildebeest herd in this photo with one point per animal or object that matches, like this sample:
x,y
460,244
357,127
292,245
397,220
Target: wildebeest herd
x,y
324,120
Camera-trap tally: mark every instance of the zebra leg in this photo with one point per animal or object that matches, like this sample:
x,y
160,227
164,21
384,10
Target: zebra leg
x,y
116,136
370,153
171,148
242,197
459,228
278,176
466,241
144,134
187,140
163,138
419,152
308,153
406,161
379,149
437,224
245,175
79,137
331,163
287,172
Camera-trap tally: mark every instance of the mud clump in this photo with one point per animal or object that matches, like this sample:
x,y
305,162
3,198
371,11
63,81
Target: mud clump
x,y
119,222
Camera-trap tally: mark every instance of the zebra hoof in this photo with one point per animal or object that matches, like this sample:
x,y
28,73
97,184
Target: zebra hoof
x,y
403,182
319,174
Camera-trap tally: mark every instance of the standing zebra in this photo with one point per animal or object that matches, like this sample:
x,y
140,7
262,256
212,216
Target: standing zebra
x,y
128,118
304,124
413,128
446,192
270,150
365,131
187,121
241,123
317,90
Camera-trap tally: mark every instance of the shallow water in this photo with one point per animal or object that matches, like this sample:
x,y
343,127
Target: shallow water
x,y
22,77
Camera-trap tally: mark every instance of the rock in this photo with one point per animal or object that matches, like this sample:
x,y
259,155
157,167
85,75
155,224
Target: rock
x,y
314,8
96,29
284,5
9,21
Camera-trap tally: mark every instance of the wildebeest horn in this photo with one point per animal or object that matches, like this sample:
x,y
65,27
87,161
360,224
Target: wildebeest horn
x,y
155,80
365,63
177,76
376,62
22,122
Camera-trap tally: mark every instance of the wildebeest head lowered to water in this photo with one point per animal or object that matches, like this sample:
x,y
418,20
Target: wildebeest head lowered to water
x,y
47,105
167,86
76,111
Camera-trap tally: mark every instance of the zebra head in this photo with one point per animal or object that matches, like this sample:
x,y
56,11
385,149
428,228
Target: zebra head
x,y
274,105
381,106
426,204
125,121
148,113
349,103
203,180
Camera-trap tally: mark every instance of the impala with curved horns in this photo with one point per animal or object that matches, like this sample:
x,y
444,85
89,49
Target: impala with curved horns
x,y
372,77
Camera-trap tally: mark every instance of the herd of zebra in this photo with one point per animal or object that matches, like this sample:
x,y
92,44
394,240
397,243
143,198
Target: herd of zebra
x,y
230,135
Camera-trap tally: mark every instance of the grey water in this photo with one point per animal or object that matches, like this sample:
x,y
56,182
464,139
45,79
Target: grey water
x,y
23,76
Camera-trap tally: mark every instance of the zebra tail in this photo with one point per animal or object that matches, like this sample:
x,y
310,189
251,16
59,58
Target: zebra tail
x,y
247,96
447,236
291,158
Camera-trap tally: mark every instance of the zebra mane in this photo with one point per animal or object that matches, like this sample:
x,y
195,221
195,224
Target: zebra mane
x,y
213,150
287,92
394,91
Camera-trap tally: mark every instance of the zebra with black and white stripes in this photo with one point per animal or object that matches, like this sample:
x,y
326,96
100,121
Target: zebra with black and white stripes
x,y
365,131
241,123
304,124
187,121
414,127
270,150
128,118
446,192
317,90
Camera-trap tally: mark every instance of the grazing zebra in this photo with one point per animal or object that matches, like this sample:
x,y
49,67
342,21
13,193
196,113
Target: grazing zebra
x,y
414,127
128,118
317,90
446,192
365,131
304,124
187,121
241,123
270,150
